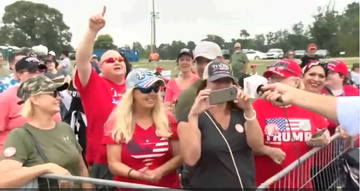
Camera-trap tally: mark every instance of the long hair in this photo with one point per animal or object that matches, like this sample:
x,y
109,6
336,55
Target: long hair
x,y
27,109
121,123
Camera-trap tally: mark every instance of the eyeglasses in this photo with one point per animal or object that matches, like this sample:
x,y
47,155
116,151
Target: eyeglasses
x,y
149,89
112,60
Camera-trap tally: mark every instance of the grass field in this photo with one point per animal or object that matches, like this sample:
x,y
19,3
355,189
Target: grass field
x,y
261,64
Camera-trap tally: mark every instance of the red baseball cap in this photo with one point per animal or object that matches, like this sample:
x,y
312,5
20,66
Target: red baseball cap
x,y
284,68
312,46
338,67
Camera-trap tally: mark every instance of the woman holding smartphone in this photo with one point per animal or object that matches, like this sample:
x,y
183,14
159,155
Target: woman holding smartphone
x,y
217,141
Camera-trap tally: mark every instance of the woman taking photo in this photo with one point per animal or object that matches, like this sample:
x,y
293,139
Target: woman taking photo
x,y
217,141
41,143
286,138
184,80
140,138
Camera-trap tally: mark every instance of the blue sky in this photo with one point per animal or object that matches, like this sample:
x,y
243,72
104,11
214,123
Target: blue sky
x,y
129,20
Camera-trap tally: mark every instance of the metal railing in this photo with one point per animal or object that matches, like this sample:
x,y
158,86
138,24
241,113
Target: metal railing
x,y
107,185
320,168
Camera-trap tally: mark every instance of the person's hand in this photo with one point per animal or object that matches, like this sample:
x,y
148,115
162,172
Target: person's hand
x,y
58,170
150,175
87,186
277,155
343,134
243,100
278,90
319,141
97,21
201,103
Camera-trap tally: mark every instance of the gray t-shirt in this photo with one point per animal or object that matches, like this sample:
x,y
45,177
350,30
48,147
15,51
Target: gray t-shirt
x,y
66,62
58,74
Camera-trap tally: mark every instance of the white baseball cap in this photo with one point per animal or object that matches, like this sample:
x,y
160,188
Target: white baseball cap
x,y
52,53
207,49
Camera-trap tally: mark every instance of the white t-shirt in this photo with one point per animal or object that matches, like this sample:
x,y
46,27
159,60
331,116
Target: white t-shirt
x,y
66,63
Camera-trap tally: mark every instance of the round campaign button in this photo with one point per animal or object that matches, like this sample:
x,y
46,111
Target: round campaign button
x,y
239,128
9,152
305,125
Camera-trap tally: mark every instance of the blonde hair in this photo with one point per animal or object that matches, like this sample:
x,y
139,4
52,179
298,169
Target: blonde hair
x,y
28,109
120,124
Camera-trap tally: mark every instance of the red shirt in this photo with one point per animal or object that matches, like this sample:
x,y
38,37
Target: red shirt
x,y
146,148
303,124
98,97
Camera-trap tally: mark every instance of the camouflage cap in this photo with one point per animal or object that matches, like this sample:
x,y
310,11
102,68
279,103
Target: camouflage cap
x,y
38,85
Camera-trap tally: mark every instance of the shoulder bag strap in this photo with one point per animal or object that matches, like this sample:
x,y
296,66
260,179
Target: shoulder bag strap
x,y
39,150
230,151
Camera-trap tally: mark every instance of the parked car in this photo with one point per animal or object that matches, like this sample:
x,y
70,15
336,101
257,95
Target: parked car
x,y
299,53
323,53
255,55
275,53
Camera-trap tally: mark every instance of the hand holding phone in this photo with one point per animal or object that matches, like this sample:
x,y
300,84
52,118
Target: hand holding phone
x,y
222,95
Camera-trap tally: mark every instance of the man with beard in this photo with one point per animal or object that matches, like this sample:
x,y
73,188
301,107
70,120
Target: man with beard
x,y
99,94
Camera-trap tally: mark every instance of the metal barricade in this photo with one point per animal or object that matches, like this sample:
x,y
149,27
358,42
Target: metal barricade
x,y
321,168
107,185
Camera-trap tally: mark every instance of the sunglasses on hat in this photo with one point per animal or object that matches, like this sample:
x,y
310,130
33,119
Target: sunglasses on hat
x,y
112,60
149,89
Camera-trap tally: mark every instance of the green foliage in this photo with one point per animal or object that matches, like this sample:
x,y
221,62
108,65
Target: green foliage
x,y
27,24
104,42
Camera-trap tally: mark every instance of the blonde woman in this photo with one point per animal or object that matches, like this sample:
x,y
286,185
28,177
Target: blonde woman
x,y
140,137
41,143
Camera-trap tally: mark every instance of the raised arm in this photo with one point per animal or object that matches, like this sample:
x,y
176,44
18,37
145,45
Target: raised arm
x,y
85,48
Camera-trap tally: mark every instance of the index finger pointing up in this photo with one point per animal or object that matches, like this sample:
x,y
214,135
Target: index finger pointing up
x,y
103,10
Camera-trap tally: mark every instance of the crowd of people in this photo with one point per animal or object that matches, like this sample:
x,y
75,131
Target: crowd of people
x,y
118,124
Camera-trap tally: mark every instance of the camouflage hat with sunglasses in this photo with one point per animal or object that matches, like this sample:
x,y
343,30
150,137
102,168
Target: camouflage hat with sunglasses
x,y
38,85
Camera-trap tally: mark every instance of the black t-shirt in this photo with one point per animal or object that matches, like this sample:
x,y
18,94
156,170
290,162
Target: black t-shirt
x,y
75,104
215,168
306,59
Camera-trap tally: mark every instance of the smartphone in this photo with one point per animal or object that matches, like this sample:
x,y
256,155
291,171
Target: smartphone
x,y
58,80
319,133
222,95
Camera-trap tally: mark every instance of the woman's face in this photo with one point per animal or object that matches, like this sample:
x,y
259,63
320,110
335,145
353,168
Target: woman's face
x,y
291,55
185,63
314,79
274,78
48,102
219,84
146,97
50,65
334,78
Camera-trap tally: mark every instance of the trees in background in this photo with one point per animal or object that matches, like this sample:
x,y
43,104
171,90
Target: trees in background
x,y
26,24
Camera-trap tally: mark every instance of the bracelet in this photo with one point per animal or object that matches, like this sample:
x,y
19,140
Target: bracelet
x,y
251,118
129,173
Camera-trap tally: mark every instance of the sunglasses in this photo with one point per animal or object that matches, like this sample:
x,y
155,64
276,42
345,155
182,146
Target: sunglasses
x,y
53,94
149,89
112,60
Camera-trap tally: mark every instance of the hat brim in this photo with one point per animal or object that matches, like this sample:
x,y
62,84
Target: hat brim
x,y
62,86
155,80
220,76
205,55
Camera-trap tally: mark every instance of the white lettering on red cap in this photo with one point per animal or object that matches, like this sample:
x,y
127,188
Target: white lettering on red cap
x,y
9,152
